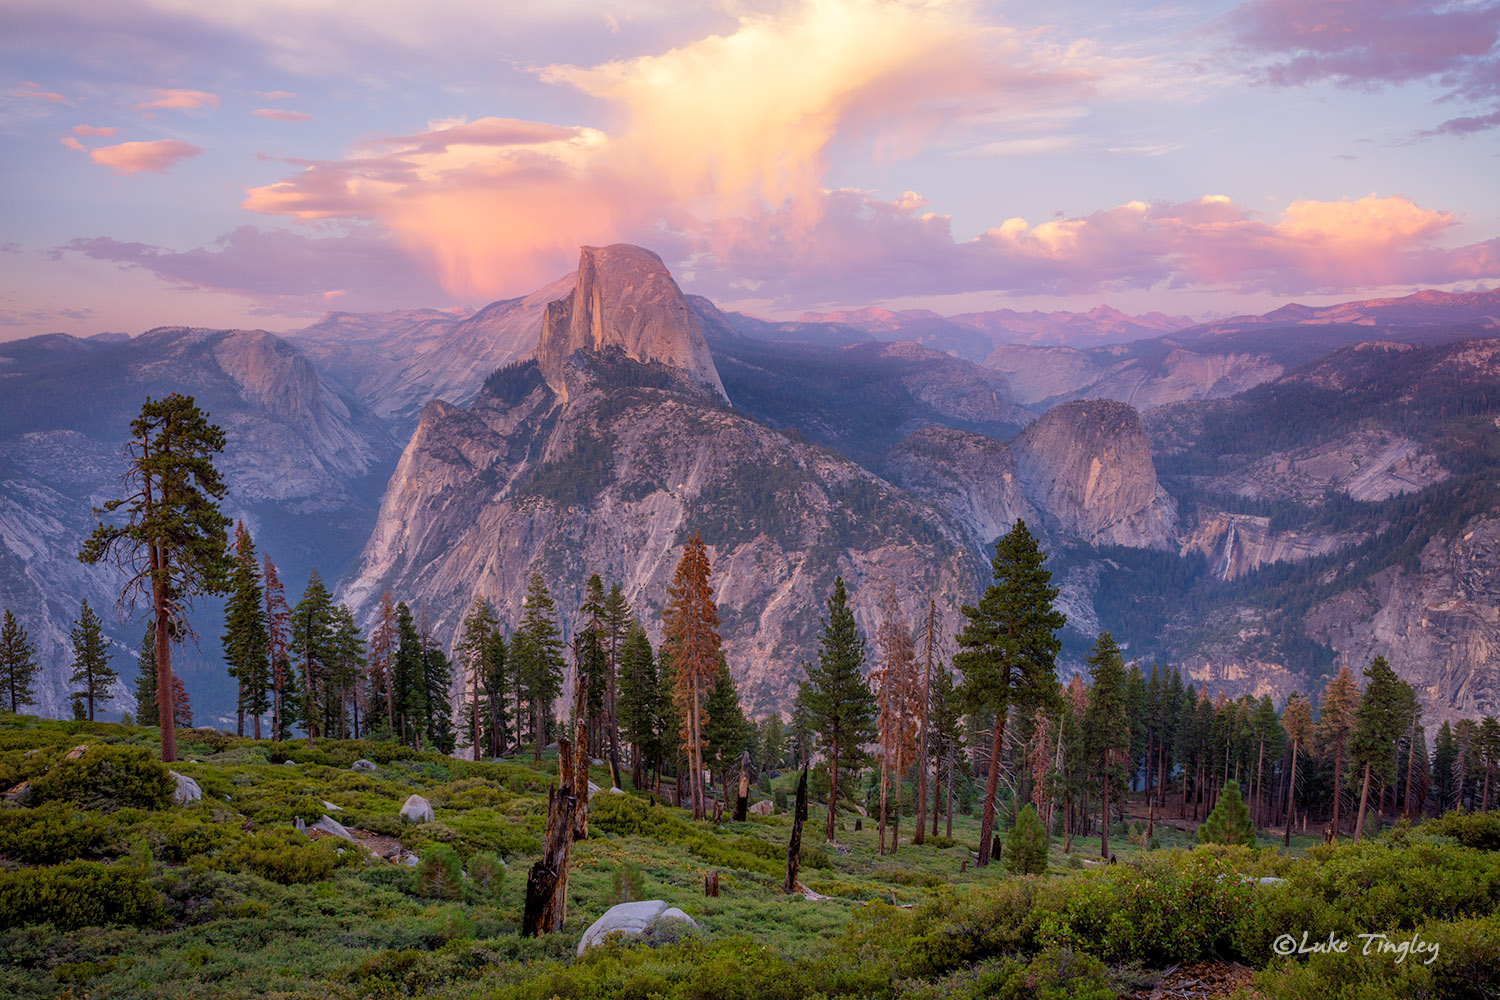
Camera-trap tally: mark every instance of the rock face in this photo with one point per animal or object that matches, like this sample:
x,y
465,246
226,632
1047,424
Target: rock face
x,y
416,810
632,920
625,298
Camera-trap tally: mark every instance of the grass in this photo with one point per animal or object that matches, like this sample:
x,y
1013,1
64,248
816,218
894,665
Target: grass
x,y
265,913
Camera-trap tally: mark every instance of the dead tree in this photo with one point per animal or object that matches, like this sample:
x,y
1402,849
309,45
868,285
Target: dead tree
x,y
742,801
575,768
794,849
547,882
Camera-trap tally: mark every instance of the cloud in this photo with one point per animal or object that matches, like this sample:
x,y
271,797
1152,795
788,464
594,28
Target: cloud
x,y
284,273
99,130
1373,45
727,125
276,95
155,157
179,100
35,91
282,115
73,143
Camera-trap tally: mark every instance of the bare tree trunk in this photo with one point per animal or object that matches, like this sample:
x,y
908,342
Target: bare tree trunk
x,y
1259,770
547,883
833,788
948,830
794,847
1364,798
742,800
937,803
1291,790
166,712
922,733
883,783
992,781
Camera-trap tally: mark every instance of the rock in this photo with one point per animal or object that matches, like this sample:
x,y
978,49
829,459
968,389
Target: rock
x,y
19,794
631,920
594,762
77,752
593,790
765,807
331,807
615,791
417,810
409,860
362,765
332,827
187,789
289,763
298,825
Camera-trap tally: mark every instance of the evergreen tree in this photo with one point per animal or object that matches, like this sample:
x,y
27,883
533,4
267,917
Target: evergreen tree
x,y
898,693
496,716
770,744
1382,717
1336,723
618,620
246,639
474,655
1229,823
1026,847
1489,745
437,682
348,669
182,706
1008,650
408,683
536,656
640,703
1265,730
1106,732
1444,759
17,664
145,682
837,697
382,649
691,626
278,652
725,729
312,649
90,660
174,540
945,741
1297,721
801,736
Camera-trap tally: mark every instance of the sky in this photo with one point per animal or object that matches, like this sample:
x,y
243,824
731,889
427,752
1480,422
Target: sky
x,y
258,163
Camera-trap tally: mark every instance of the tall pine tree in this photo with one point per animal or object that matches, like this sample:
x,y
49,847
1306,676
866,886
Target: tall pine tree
x,y
473,650
1379,722
536,655
17,664
1106,731
837,696
313,649
1335,724
90,659
1297,721
691,625
1008,650
246,640
145,681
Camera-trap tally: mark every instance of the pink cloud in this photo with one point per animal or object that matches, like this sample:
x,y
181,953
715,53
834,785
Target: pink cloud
x,y
284,273
145,157
99,130
35,91
282,115
179,100
73,143
276,95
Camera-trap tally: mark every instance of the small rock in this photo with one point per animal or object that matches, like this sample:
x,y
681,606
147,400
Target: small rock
x,y
187,789
77,752
331,807
765,807
300,826
289,763
20,794
331,826
409,860
417,810
594,762
593,790
362,765
632,920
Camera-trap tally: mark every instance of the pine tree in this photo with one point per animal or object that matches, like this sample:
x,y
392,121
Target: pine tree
x,y
497,718
90,659
474,652
536,655
1444,759
246,640
17,664
691,625
770,744
725,730
837,697
1336,723
1008,650
145,682
382,648
174,540
800,735
618,620
437,683
312,649
945,741
1297,721
1229,823
1265,729
278,639
182,707
348,669
1026,847
897,695
408,682
1489,744
1106,732
640,703
1379,722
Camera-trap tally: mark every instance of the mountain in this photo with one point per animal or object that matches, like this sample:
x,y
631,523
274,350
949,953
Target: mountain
x,y
303,464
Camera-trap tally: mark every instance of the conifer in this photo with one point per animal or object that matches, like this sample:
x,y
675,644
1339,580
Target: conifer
x,y
691,625
1297,721
536,655
1335,724
837,698
1106,731
897,696
17,664
145,682
1026,847
278,645
90,660
313,649
1380,720
640,703
1229,823
474,653
246,639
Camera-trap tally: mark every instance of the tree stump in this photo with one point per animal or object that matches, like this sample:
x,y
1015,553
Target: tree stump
x,y
742,800
547,882
718,811
995,849
859,824
794,847
711,884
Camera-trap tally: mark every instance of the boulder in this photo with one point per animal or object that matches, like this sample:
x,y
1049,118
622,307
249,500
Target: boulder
x,y
332,827
187,789
362,765
77,752
634,920
417,810
765,807
331,807
20,794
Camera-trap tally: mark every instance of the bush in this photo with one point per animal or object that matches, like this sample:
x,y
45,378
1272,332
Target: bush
x,y
80,894
287,857
440,873
1229,823
1055,974
108,778
47,834
1477,830
1026,847
486,873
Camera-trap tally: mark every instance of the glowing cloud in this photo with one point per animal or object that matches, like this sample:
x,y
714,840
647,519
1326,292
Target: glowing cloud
x,y
99,130
180,100
144,157
282,115
35,91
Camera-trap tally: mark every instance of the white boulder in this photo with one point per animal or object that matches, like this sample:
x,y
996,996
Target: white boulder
x,y
362,765
417,810
633,920
333,827
187,790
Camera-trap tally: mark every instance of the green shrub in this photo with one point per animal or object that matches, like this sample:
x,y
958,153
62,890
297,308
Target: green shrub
x,y
1055,974
1229,823
1477,830
440,873
108,777
1026,847
486,873
287,857
52,832
79,894
629,883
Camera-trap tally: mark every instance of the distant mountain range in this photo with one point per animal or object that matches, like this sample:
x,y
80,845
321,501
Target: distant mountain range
x,y
1251,498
